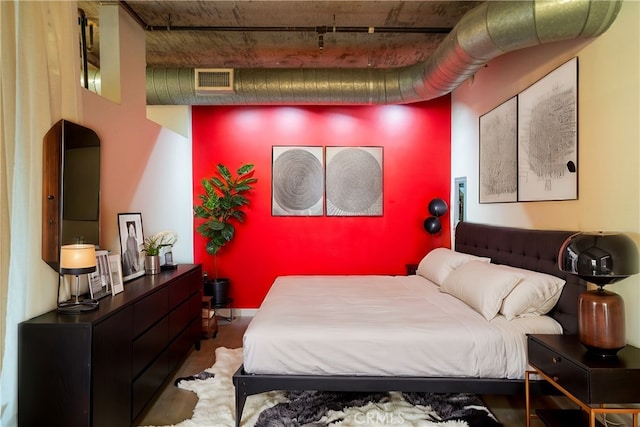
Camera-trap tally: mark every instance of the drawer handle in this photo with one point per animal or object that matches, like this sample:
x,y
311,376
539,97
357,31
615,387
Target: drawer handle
x,y
556,359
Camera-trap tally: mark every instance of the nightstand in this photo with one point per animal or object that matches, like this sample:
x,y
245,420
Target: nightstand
x,y
589,381
411,269
209,321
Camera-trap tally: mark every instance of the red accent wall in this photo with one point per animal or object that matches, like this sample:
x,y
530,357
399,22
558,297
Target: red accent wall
x,y
416,168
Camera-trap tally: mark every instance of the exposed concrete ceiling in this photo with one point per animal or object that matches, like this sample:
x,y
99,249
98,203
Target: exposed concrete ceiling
x,y
340,52
286,34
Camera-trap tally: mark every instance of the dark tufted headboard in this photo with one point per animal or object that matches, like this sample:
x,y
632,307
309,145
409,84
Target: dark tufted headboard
x,y
531,249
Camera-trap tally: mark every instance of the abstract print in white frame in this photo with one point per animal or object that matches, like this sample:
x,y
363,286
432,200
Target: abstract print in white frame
x,y
498,154
354,181
297,183
548,136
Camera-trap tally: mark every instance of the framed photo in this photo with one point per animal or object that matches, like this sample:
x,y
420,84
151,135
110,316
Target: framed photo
x,y
100,280
115,267
498,154
548,136
297,181
131,239
460,199
354,181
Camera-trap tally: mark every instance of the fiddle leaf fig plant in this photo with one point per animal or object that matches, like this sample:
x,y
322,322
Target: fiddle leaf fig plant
x,y
221,205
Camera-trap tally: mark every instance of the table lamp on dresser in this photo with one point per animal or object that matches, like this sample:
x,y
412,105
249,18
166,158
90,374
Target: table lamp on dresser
x,y
75,260
600,258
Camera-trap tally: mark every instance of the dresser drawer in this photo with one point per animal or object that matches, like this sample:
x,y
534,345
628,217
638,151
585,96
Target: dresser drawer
x,y
181,290
149,345
149,311
563,371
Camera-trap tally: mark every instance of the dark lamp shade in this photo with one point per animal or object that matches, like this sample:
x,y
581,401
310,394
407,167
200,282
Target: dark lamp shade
x,y
599,258
77,259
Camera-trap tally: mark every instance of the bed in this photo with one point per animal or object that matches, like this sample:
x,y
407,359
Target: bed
x,y
336,357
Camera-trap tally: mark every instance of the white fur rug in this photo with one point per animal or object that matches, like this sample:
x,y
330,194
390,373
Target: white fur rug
x,y
216,403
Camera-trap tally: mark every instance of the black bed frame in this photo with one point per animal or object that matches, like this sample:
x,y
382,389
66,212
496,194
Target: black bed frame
x,y
531,249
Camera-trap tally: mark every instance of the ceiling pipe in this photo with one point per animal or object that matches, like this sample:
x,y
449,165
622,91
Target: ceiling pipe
x,y
489,30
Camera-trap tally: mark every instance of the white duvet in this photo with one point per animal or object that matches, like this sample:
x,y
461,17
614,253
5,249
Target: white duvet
x,y
382,325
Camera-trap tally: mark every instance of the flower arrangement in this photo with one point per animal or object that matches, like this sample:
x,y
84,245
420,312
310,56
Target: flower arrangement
x,y
152,245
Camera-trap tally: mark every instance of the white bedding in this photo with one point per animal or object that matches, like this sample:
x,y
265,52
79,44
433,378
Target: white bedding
x,y
382,325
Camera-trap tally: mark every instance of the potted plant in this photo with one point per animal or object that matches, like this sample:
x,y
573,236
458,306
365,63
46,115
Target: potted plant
x,y
151,247
220,206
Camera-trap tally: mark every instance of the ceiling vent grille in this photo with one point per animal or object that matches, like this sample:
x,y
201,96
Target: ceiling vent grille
x,y
210,81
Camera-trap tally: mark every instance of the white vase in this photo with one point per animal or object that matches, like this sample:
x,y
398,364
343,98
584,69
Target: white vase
x,y
152,264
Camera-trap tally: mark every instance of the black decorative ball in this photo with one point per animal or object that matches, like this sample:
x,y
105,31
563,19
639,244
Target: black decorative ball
x,y
432,225
437,207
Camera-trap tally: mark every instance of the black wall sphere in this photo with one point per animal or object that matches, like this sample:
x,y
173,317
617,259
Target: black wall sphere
x,y
437,207
432,225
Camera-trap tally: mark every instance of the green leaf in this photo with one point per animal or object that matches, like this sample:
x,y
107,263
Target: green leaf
x,y
228,232
215,225
224,172
207,186
244,169
219,184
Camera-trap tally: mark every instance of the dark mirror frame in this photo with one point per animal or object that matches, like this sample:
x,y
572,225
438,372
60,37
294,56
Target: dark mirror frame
x,y
63,144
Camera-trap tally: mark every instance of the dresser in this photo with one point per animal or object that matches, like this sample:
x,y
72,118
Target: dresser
x,y
103,368
595,384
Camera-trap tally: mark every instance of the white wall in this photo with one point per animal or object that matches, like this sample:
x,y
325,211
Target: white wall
x,y
608,139
145,167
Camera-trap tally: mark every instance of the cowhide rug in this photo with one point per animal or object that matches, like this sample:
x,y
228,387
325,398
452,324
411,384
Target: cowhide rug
x,y
215,407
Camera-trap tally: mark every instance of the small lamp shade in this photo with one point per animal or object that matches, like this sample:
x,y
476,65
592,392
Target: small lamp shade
x,y
600,258
77,259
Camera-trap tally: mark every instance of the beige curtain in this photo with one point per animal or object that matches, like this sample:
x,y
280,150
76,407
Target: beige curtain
x,y
39,84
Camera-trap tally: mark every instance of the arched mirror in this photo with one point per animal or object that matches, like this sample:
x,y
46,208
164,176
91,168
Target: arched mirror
x,y
70,189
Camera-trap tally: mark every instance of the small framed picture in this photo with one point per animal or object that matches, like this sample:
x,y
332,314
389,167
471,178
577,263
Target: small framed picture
x,y
115,265
100,280
131,239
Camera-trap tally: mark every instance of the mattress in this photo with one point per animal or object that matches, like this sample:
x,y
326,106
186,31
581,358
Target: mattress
x,y
382,326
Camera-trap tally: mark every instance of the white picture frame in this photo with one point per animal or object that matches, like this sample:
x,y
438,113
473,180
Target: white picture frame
x,y
354,181
100,280
131,240
498,157
115,266
548,136
297,181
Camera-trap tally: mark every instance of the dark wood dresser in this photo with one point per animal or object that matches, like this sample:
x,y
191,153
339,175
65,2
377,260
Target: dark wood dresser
x,y
102,368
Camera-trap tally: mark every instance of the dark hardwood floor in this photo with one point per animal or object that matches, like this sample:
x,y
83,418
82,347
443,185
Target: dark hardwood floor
x,y
173,404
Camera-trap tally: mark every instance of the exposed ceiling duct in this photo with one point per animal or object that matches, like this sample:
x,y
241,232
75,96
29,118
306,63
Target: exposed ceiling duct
x,y
488,31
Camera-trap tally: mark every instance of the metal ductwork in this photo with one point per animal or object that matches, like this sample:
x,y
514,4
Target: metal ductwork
x,y
488,31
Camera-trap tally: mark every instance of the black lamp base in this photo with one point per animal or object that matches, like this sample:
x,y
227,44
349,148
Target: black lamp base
x,y
77,307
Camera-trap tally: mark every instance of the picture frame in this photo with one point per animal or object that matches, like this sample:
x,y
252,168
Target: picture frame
x,y
100,280
354,181
297,181
115,267
548,136
459,200
498,157
131,239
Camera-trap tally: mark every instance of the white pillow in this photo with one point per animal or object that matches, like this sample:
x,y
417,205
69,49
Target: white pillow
x,y
534,296
440,262
481,285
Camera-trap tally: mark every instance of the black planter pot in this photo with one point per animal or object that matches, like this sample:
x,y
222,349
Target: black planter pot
x,y
218,289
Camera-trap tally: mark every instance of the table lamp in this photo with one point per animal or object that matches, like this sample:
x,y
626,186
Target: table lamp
x,y
600,258
76,260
